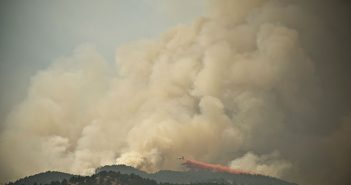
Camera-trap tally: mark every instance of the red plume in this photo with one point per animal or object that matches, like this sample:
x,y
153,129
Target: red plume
x,y
196,165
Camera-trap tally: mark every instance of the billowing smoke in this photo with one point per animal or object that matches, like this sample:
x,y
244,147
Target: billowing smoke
x,y
251,78
269,164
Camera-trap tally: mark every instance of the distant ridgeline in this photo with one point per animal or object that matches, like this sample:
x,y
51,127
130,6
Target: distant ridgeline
x,y
43,178
126,175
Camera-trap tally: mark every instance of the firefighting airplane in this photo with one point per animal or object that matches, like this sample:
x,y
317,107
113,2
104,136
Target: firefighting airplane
x,y
181,158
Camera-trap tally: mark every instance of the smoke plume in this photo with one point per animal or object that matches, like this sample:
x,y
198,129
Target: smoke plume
x,y
251,78
269,164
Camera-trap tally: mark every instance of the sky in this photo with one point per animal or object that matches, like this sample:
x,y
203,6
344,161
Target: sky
x,y
35,33
259,85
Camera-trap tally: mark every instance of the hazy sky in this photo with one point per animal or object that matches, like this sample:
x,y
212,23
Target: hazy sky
x,y
34,33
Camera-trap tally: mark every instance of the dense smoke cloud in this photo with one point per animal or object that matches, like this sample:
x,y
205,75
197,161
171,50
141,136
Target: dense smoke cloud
x,y
268,164
257,84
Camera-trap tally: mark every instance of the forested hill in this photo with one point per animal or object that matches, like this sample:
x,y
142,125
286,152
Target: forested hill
x,y
108,178
43,178
126,175
187,177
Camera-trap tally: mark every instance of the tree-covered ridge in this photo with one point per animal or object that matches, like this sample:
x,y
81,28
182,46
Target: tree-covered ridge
x,y
42,178
111,178
197,176
126,175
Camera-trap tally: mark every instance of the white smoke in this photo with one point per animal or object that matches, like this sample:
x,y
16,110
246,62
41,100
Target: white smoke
x,y
225,85
270,164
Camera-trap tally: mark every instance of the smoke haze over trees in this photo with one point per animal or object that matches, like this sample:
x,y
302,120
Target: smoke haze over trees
x,y
259,85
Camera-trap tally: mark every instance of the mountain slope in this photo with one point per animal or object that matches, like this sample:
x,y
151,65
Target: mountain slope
x,y
126,175
200,176
43,178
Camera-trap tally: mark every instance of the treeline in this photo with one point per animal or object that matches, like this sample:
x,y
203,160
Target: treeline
x,y
112,178
42,178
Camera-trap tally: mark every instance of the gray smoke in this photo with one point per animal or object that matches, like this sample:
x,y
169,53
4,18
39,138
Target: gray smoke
x,y
262,85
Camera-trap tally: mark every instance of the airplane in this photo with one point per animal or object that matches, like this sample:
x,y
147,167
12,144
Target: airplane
x,y
181,158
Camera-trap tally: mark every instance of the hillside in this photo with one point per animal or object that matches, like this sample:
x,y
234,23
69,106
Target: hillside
x,y
200,176
126,175
43,178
